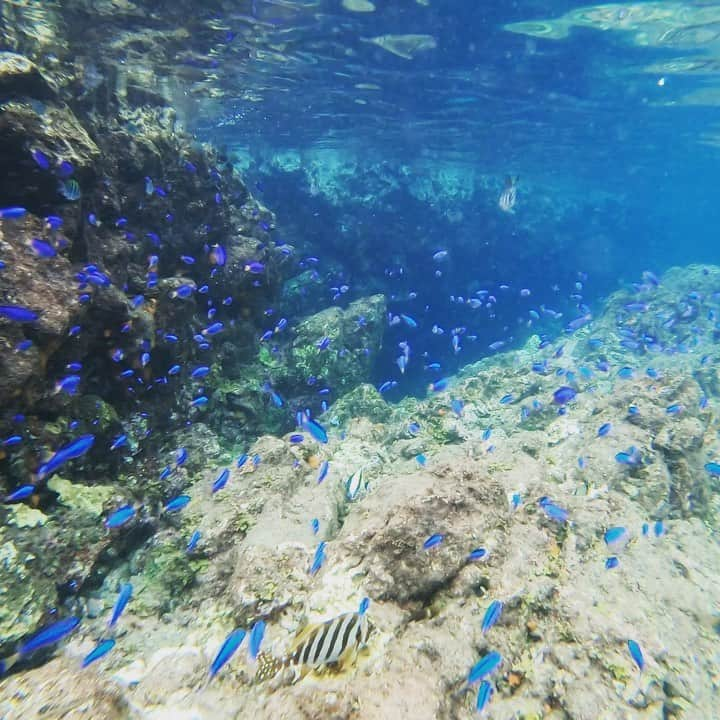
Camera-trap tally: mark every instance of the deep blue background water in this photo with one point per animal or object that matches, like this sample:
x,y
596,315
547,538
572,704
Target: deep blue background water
x,y
614,176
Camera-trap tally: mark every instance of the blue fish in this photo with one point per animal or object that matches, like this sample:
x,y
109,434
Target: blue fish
x,y
23,492
199,401
439,385
102,649
322,474
433,541
42,160
242,460
221,480
315,525
18,313
227,650
42,249
364,605
194,540
615,535
12,213
484,666
713,468
484,695
506,399
604,429
72,450
611,562
477,554
636,654
177,503
315,429
200,372
257,633
421,460
49,635
563,395
296,438
120,517
492,615
213,329
121,603
553,511
318,559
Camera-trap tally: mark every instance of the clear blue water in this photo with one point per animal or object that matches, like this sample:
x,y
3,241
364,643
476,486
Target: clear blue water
x,y
615,174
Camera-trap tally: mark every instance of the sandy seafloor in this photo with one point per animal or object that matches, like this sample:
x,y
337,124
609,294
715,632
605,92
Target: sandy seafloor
x,y
567,619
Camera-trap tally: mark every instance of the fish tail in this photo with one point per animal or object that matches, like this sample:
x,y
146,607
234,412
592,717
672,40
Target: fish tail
x,y
268,667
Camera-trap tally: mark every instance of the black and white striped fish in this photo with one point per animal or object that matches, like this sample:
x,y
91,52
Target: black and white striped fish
x,y
331,642
508,196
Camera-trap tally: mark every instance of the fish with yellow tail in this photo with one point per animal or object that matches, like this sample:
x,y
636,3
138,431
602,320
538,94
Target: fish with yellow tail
x,y
508,196
326,644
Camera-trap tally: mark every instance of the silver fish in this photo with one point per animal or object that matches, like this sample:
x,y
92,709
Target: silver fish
x,y
508,197
332,642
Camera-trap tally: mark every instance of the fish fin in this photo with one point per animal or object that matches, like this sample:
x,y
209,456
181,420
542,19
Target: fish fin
x,y
508,181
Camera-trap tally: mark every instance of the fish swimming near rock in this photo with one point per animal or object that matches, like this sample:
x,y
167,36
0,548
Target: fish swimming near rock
x,y
508,197
327,644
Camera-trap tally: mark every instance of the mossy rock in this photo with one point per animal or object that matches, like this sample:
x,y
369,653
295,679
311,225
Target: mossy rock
x,y
363,401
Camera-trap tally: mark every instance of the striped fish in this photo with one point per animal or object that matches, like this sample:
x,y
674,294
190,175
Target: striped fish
x,y
509,194
332,642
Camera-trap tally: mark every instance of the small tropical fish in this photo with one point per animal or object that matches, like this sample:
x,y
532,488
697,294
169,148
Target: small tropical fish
x,y
72,450
102,649
213,329
255,268
433,541
42,249
48,636
257,633
553,511
508,196
221,480
353,485
296,439
42,160
439,385
506,399
318,559
17,313
120,517
226,651
322,474
421,460
604,429
69,189
315,429
477,554
315,525
123,598
484,666
484,695
347,635
23,492
119,441
199,401
611,562
194,540
636,654
177,503
364,605
200,372
564,395
675,409
218,256
615,535
12,213
492,615
713,468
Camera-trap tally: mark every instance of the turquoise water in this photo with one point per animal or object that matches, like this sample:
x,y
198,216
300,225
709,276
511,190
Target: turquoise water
x,y
358,360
